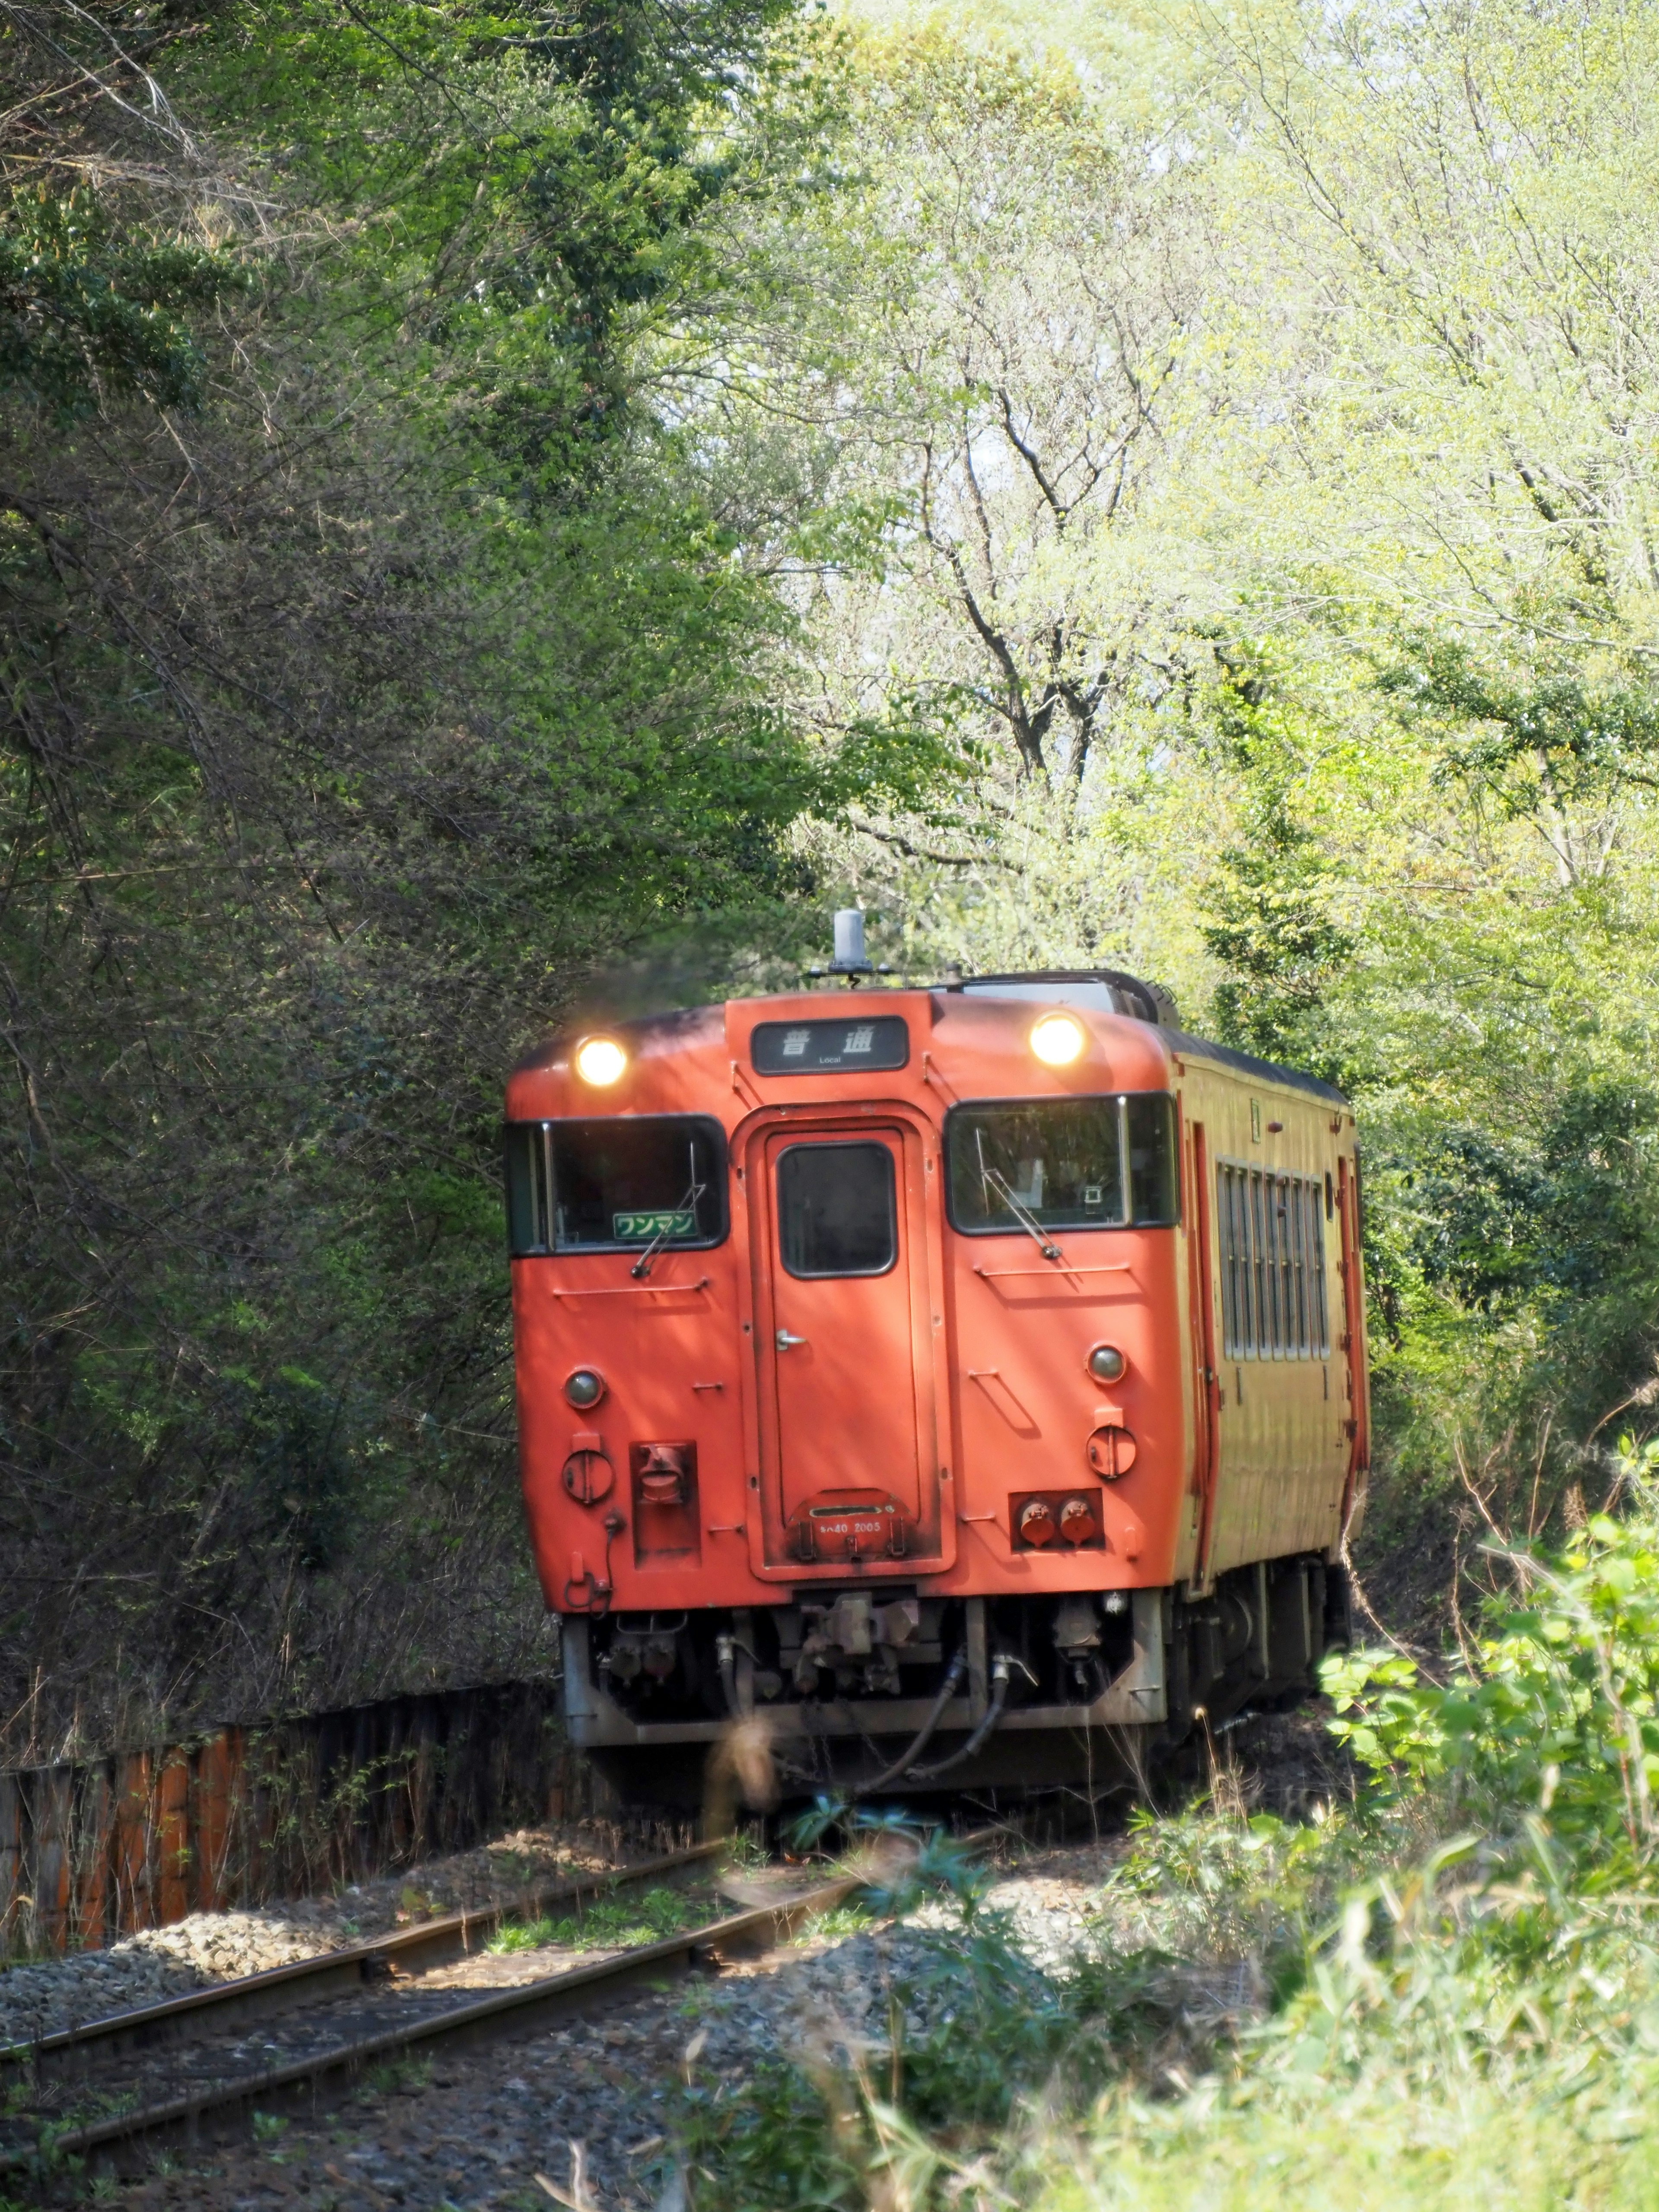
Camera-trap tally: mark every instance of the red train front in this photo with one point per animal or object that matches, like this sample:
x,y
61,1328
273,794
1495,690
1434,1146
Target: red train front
x,y
949,1382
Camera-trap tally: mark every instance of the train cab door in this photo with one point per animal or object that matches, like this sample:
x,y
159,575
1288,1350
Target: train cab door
x,y
849,1456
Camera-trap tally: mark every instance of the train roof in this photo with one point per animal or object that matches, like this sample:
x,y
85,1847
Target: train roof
x,y
1102,990
1109,990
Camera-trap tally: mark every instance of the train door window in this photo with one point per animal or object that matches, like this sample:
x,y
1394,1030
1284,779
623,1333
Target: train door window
x,y
837,1210
619,1184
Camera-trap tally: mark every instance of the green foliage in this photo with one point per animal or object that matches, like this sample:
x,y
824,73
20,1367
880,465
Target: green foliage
x,y
88,310
1272,929
1529,740
610,1924
1555,1714
347,732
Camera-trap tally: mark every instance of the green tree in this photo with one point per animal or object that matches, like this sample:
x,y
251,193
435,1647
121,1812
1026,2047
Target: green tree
x,y
378,665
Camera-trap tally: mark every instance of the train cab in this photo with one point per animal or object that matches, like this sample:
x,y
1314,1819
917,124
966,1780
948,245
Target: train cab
x,y
955,1388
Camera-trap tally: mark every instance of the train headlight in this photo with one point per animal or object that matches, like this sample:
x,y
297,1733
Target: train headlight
x,y
1106,1364
1057,1040
585,1387
600,1060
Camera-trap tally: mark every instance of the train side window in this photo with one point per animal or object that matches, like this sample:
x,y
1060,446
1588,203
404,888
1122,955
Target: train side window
x,y
1297,1195
1227,1261
837,1210
1321,1326
1267,1273
529,1187
1286,1224
618,1184
1249,1319
1154,1191
1270,1252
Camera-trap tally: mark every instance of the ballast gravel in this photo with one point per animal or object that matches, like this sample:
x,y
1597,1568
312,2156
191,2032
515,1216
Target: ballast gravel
x,y
42,1996
585,2104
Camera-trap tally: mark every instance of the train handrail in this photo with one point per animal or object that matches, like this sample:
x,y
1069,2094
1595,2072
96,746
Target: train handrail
x,y
1047,1274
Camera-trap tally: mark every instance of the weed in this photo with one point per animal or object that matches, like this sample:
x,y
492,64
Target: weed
x,y
612,1923
405,2077
746,1850
839,1923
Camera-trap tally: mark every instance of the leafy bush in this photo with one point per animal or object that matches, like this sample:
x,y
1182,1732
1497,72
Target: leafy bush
x,y
1554,1711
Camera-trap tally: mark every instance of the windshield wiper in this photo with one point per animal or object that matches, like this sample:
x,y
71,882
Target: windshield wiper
x,y
641,1267
1000,1186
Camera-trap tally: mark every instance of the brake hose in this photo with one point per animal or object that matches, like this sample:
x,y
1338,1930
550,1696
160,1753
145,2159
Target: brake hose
x,y
902,1764
1000,1670
904,1767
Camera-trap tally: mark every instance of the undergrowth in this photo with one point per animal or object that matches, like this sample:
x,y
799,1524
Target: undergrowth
x,y
1445,1985
610,1924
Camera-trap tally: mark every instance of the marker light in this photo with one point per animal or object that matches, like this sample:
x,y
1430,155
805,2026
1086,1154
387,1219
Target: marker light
x,y
584,1388
599,1061
1106,1362
1057,1040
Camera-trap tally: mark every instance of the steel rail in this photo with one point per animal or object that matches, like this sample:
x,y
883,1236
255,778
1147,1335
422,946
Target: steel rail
x,y
123,2139
309,1981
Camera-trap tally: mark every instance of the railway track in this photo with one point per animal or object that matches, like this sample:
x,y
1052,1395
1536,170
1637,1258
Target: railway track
x,y
113,2094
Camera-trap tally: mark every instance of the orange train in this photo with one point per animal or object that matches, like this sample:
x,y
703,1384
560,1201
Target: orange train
x,y
961,1384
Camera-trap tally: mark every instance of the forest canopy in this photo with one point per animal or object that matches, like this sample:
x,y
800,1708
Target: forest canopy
x,y
494,499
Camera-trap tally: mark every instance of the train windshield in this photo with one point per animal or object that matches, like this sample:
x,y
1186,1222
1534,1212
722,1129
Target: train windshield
x,y
614,1185
1062,1163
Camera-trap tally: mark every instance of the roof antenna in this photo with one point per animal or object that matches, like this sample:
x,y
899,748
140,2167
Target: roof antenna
x,y
851,959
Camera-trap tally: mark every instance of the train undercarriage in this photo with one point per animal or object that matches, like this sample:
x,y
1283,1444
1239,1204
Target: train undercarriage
x,y
880,1688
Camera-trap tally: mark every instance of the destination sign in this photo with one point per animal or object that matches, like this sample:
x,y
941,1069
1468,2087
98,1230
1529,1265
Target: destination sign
x,y
876,1041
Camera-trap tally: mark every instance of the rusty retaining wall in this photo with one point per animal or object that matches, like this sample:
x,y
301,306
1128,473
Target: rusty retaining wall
x,y
285,1808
